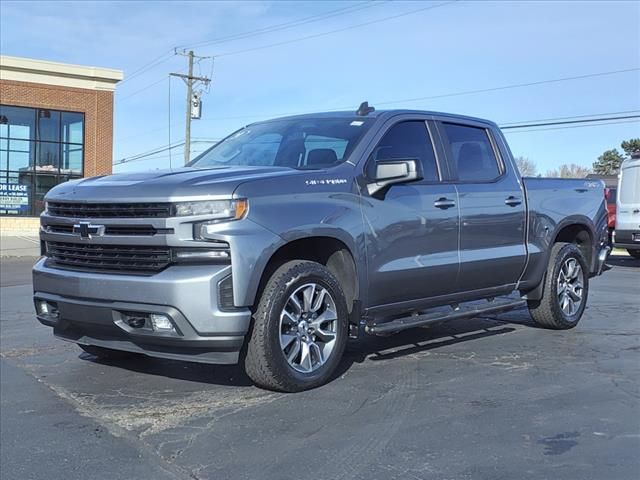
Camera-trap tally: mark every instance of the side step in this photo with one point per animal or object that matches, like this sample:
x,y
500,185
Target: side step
x,y
412,321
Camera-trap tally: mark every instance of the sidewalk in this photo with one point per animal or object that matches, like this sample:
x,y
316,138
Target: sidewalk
x,y
19,246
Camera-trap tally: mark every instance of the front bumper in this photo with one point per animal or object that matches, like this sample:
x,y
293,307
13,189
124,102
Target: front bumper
x,y
90,307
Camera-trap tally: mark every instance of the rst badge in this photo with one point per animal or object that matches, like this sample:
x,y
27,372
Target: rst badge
x,y
86,231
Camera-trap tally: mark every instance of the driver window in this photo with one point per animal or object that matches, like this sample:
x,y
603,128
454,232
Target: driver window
x,y
409,140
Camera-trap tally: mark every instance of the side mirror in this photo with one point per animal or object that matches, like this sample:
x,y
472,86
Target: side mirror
x,y
392,172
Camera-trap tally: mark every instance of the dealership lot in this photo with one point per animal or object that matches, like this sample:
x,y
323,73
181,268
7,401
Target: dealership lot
x,y
485,398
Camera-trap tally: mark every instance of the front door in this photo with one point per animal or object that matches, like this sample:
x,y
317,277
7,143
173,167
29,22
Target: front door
x,y
492,208
412,230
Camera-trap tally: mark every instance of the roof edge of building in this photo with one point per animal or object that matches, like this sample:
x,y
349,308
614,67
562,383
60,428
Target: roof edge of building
x,y
55,73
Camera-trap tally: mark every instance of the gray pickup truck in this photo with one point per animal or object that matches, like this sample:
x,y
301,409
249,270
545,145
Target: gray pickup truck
x,y
291,236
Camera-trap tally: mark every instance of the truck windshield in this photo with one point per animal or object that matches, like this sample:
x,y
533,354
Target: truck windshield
x,y
307,143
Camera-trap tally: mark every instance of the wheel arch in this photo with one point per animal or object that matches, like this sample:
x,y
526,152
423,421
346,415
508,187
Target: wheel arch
x,y
577,230
328,250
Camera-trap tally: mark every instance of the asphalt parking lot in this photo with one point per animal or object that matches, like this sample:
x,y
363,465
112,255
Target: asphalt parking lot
x,y
489,398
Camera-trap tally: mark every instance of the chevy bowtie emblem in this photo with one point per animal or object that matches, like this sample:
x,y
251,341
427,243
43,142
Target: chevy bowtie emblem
x,y
86,230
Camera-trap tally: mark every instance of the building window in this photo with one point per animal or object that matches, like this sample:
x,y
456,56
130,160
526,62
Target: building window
x,y
39,149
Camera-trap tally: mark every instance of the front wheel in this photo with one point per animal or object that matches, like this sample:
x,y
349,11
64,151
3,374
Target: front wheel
x,y
633,253
565,290
300,329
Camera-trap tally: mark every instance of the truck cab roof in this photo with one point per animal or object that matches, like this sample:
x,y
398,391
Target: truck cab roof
x,y
379,115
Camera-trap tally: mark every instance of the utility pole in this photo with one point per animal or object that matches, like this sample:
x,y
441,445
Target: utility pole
x,y
189,80
187,123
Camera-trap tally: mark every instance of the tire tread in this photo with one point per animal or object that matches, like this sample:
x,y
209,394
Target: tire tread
x,y
545,312
259,361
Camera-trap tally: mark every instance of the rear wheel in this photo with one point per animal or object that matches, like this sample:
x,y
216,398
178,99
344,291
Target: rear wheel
x,y
565,290
634,253
105,353
300,329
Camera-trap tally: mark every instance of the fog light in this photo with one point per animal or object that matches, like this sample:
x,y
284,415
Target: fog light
x,y
43,308
161,323
49,309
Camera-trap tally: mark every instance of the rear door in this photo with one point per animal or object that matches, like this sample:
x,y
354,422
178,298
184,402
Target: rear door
x,y
492,206
628,206
412,229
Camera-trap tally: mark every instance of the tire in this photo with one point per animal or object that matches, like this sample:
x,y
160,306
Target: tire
x,y
105,353
548,312
276,335
634,253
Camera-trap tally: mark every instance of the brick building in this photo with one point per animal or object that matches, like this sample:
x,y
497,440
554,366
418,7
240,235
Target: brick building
x,y
56,124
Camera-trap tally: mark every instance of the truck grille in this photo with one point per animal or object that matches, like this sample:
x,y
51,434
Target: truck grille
x,y
129,230
109,210
109,257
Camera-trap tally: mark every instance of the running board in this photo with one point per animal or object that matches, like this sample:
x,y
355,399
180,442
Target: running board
x,y
457,314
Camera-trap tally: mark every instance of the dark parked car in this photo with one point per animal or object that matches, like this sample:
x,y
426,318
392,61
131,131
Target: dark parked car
x,y
292,235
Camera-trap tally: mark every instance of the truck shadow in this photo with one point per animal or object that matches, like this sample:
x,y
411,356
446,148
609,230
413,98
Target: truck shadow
x,y
623,261
369,348
418,340
222,375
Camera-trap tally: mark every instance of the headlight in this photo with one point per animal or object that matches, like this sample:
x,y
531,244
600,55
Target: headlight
x,y
215,209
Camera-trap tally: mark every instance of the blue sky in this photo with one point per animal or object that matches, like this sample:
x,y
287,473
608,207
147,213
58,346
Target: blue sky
x,y
454,47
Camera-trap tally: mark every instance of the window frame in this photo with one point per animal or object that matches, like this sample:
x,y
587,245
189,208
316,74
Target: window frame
x,y
431,137
36,143
448,151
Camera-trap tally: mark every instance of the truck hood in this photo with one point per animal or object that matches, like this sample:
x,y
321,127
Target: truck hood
x,y
163,185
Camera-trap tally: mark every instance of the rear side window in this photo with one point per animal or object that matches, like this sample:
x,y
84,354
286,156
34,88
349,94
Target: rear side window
x,y
409,140
630,185
472,153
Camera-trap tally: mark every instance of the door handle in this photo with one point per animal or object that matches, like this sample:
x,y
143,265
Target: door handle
x,y
444,203
513,201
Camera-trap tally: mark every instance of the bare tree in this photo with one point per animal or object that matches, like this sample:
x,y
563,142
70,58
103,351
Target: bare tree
x,y
527,167
569,171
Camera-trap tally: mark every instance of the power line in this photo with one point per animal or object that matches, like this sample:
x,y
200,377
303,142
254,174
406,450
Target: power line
x,y
162,149
411,12
148,66
564,124
507,87
446,95
159,157
144,89
503,124
284,26
569,122
574,126
506,124
338,30
148,153
251,33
